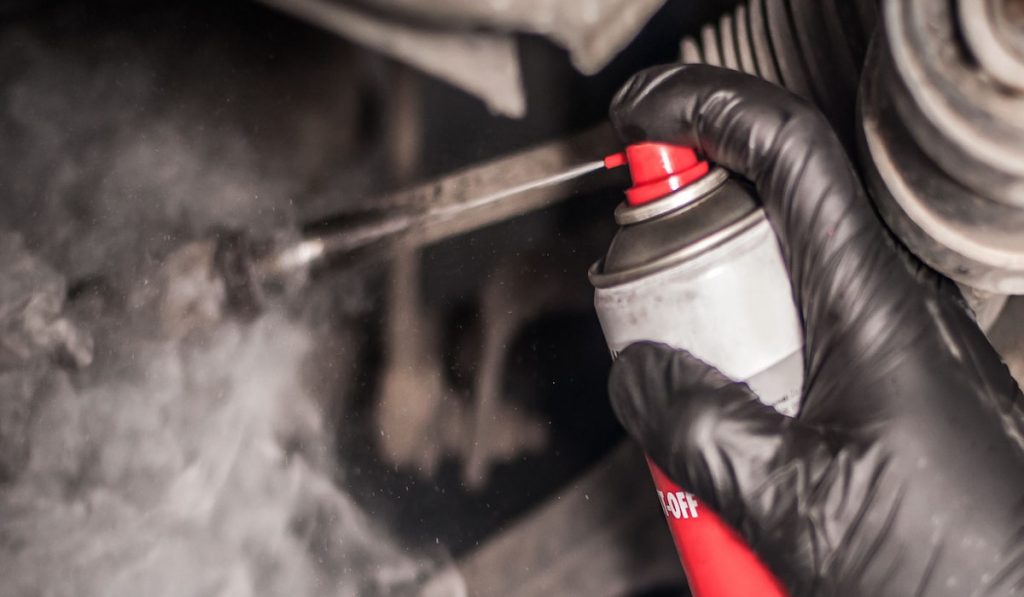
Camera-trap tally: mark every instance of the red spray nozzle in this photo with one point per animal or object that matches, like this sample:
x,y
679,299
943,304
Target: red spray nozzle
x,y
657,169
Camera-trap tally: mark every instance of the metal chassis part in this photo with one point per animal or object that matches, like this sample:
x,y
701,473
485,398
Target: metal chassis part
x,y
966,236
603,535
959,116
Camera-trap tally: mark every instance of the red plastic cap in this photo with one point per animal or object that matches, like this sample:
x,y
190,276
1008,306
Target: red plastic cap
x,y
657,169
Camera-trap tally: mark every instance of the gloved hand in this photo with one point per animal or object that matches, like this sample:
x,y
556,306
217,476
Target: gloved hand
x,y
904,472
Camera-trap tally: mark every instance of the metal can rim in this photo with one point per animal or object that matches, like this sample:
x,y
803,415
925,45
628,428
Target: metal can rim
x,y
600,279
626,214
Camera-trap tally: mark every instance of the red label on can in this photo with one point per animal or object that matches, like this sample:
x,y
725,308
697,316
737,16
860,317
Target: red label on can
x,y
716,560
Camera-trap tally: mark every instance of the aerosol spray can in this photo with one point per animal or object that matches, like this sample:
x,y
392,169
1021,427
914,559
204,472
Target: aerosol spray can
x,y
696,265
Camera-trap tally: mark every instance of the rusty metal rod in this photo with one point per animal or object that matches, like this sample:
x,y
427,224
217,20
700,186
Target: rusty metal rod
x,y
460,202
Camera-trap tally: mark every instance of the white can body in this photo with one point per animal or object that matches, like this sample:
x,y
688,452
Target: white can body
x,y
731,306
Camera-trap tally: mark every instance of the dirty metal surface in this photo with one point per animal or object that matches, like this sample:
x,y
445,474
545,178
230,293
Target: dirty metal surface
x,y
601,535
472,45
483,64
1007,335
593,31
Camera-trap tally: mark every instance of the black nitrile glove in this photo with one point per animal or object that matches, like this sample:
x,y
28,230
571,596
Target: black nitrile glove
x,y
903,474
